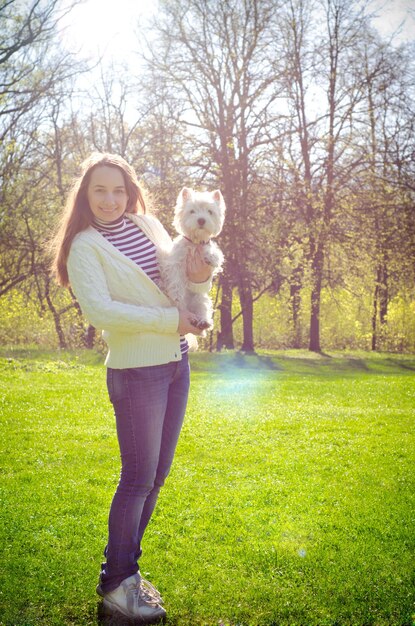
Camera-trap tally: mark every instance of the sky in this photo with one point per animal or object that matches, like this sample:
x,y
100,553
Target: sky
x,y
394,14
98,27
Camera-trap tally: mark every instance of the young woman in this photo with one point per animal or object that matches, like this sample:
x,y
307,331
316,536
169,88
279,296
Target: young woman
x,y
105,250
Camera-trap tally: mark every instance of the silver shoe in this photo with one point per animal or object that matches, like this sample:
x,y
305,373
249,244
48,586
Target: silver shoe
x,y
135,600
147,589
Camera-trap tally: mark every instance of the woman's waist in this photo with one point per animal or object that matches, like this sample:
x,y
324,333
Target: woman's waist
x,y
139,349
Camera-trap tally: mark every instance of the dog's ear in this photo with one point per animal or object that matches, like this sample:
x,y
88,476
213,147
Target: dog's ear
x,y
186,194
217,196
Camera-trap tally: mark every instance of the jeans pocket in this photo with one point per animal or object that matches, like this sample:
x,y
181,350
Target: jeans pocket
x,y
116,385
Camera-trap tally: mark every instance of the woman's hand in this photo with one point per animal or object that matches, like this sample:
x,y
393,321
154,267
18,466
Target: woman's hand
x,y
198,271
185,324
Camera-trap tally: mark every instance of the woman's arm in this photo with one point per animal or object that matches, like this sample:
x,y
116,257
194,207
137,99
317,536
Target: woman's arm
x,y
87,279
203,287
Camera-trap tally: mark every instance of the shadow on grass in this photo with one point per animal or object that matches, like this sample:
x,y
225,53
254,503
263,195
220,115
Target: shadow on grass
x,y
320,353
402,364
303,363
253,361
117,619
36,353
300,362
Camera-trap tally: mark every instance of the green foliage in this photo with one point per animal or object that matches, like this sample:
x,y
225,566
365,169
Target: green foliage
x,y
398,333
345,317
21,323
24,322
290,501
345,322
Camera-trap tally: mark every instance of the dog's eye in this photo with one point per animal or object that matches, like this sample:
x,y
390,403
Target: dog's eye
x,y
210,212
191,211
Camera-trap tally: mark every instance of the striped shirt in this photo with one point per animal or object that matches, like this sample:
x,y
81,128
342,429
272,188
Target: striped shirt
x,y
129,239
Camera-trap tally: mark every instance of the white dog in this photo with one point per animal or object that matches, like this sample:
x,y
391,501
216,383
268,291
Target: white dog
x,y
198,217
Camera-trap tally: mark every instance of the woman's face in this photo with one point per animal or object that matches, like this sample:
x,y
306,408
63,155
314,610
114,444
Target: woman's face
x,y
107,195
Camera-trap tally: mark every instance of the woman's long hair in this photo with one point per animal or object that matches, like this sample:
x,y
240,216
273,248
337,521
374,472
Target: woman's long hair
x,y
77,215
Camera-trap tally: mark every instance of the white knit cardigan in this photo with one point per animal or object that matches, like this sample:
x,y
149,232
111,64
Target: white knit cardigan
x,y
138,320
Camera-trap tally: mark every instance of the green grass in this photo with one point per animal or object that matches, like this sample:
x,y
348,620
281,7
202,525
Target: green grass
x,y
291,500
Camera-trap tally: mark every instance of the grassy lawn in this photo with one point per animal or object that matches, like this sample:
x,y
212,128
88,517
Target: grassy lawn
x,y
291,500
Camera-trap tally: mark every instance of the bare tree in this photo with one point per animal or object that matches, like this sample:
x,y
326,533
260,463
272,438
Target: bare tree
x,y
387,129
36,76
30,63
215,57
322,154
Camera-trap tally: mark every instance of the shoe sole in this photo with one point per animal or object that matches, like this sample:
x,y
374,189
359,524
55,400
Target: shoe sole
x,y
114,609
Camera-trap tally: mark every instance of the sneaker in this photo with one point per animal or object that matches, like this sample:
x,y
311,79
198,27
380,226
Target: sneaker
x,y
148,591
133,601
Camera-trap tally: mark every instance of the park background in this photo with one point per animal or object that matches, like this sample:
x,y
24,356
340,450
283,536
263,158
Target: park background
x,y
302,113
291,499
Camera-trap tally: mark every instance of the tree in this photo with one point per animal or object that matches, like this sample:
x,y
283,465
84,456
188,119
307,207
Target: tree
x,y
215,58
385,196
30,64
35,75
321,157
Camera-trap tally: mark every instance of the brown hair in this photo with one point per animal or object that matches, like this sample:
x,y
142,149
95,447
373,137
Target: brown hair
x,y
77,215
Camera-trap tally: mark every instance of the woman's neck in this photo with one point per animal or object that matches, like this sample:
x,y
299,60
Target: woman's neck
x,y
110,226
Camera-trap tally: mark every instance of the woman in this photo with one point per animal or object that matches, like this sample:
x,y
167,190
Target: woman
x,y
105,250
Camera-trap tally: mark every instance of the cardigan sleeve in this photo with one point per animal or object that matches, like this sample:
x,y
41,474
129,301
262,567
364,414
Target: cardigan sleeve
x,y
87,279
204,287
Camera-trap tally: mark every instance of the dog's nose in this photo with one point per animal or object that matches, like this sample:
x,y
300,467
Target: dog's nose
x,y
201,221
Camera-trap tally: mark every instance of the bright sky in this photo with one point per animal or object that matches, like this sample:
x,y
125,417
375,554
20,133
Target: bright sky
x,y
395,14
96,26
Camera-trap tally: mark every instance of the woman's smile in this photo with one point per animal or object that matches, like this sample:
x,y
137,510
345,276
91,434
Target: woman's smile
x,y
107,195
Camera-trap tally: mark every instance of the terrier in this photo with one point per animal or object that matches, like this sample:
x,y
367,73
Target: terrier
x,y
198,217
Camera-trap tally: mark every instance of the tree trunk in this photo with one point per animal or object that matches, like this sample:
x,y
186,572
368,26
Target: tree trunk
x,y
56,319
317,279
383,293
380,304
90,337
247,306
225,335
295,304
375,318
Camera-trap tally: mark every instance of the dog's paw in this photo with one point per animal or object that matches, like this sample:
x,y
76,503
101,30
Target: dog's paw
x,y
214,258
201,324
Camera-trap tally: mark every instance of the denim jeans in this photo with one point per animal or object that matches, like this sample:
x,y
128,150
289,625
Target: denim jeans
x,y
149,405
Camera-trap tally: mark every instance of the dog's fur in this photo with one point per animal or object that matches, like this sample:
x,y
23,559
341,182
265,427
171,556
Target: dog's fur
x,y
198,217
